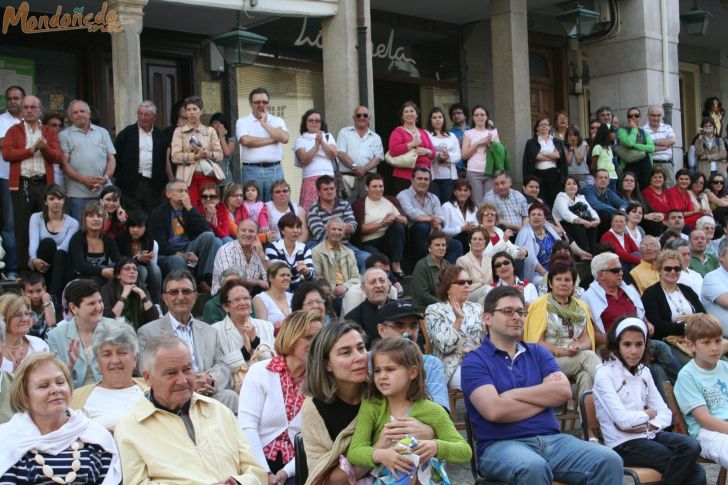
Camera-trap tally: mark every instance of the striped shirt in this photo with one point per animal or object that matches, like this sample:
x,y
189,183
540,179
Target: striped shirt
x,y
318,217
95,462
511,209
277,252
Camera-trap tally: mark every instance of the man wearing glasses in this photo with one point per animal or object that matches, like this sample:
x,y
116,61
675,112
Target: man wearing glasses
x,y
359,150
261,137
511,388
31,149
664,138
211,374
636,138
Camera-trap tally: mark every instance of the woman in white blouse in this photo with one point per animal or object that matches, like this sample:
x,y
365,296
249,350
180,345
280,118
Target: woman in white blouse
x,y
578,219
496,238
477,264
632,414
447,154
315,153
18,344
458,214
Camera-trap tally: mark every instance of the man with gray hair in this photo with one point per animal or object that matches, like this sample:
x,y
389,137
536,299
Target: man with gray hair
x,y
511,205
663,137
688,277
88,158
714,294
645,274
707,225
6,381
376,287
175,424
142,167
334,262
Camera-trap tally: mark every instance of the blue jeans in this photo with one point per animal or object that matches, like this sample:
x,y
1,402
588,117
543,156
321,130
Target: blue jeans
x,y
151,274
76,205
442,188
264,176
360,255
541,459
672,454
8,231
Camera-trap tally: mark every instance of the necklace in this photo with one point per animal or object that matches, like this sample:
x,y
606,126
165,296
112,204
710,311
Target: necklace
x,y
16,354
75,465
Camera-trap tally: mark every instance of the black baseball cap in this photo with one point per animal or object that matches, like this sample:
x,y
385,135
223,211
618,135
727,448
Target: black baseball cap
x,y
397,309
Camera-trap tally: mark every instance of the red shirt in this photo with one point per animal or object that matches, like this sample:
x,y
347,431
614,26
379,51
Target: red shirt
x,y
681,201
617,306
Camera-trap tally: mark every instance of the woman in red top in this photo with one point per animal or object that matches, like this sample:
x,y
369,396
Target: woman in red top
x,y
624,245
678,197
215,212
656,193
408,137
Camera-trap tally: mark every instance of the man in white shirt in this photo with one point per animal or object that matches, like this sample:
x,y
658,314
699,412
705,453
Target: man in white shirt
x,y
12,116
261,137
664,138
359,150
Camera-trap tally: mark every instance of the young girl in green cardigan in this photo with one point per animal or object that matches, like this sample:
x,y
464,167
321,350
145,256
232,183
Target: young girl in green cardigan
x,y
399,391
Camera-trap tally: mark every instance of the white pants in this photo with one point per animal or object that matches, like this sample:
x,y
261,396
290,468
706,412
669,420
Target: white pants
x,y
714,446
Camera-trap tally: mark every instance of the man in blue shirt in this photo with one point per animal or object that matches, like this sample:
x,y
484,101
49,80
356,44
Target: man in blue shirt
x,y
510,389
603,200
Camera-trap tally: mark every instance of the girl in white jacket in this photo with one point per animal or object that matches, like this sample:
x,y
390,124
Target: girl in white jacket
x,y
632,414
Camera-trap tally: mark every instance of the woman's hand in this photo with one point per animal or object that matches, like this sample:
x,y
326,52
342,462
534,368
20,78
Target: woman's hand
x,y
126,290
282,476
393,461
651,413
73,351
522,253
121,215
426,449
250,332
145,257
423,151
40,265
507,234
457,309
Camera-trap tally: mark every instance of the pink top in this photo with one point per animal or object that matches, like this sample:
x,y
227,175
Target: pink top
x,y
476,163
398,146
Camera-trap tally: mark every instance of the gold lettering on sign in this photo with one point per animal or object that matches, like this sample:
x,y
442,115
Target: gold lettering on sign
x,y
106,20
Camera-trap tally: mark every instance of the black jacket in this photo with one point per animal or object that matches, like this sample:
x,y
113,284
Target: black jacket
x,y
657,310
531,151
160,226
127,158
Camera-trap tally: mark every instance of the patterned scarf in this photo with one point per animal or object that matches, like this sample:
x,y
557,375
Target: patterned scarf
x,y
292,399
571,314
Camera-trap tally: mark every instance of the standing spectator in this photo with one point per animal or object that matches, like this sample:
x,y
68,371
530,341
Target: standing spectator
x,y
700,260
291,251
196,151
447,155
359,150
635,138
138,244
664,138
601,153
714,294
476,141
459,116
31,149
409,137
141,169
510,204
261,136
561,126
88,157
710,148
544,157
315,152
56,121
281,204
577,154
229,164
93,253
246,254
12,116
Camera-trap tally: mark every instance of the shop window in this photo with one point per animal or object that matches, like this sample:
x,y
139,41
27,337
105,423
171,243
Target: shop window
x,y
538,65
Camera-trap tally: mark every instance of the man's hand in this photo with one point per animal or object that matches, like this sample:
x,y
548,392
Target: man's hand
x,y
185,200
41,144
191,258
340,291
360,171
203,384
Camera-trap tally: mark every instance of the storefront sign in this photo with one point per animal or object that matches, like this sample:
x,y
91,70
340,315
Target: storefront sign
x,y
106,20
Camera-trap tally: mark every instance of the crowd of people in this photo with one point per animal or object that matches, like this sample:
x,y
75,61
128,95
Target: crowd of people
x,y
346,320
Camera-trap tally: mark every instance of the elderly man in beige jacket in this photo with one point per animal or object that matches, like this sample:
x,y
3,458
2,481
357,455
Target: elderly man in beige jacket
x,y
333,261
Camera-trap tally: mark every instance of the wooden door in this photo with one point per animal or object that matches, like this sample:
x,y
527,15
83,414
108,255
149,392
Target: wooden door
x,y
542,100
548,80
162,86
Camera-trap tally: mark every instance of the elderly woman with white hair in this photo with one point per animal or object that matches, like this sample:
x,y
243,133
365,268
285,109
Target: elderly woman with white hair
x,y
707,225
107,401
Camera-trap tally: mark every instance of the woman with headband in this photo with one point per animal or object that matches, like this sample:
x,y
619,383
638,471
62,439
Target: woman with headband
x,y
632,414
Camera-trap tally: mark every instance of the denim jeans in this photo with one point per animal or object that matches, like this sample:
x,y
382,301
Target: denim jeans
x,y
151,274
541,459
8,230
264,176
76,205
672,454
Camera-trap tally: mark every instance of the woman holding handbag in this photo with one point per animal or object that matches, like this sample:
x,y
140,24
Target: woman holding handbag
x,y
196,148
315,153
411,140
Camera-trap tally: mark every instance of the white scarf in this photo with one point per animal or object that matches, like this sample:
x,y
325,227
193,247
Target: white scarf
x,y
24,435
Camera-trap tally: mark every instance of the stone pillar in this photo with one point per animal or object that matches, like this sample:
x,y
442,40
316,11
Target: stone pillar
x,y
126,61
511,84
340,59
477,71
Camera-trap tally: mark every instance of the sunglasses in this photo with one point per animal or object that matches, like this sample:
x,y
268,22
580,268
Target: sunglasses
x,y
208,197
633,115
462,282
614,270
671,269
502,263
362,115
717,182
177,291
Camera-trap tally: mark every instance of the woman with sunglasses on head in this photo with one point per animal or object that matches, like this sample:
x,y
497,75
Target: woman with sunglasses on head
x,y
697,193
668,303
216,213
504,273
454,324
636,138
315,153
280,205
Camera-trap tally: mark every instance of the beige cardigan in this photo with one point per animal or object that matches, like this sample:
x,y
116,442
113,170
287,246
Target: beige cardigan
x,y
80,395
183,156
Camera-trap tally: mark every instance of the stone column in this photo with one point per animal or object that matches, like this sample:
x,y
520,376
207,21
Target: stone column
x,y
126,61
341,71
511,85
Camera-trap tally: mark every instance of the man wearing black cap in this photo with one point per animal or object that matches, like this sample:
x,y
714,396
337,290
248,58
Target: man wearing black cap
x,y
400,318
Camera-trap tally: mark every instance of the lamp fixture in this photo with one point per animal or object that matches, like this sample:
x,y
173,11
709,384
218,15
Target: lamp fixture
x,y
578,22
239,47
696,21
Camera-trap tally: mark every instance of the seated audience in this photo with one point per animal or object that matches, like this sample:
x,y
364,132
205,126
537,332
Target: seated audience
x,y
700,260
93,253
356,295
718,197
676,222
291,251
453,323
510,204
478,265
621,241
245,253
215,213
697,194
115,220
282,204
269,419
376,288
254,208
632,415
560,253
125,299
427,270
274,304
678,197
137,243
714,294
578,219
634,214
334,262
117,351
646,274
629,190
18,345
688,277
497,239
506,424
707,225
538,238
315,296
458,214
40,304
213,311
44,430
655,194
504,274
603,199
181,426
232,198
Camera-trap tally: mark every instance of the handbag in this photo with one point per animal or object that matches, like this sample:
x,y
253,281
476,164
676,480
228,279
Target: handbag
x,y
212,169
262,352
406,160
628,155
582,211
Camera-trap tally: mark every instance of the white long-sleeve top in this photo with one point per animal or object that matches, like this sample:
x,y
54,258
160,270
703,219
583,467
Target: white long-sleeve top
x,y
561,210
502,245
453,220
452,145
620,399
262,413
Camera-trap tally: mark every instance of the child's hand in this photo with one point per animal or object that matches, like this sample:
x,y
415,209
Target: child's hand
x,y
426,449
393,461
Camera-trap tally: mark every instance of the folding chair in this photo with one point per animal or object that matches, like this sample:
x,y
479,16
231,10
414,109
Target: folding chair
x,y
300,456
679,425
590,427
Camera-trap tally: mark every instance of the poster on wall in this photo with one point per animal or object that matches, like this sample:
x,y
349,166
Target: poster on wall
x,y
15,71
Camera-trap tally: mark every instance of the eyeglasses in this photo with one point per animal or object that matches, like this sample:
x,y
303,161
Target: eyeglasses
x,y
178,291
54,125
313,302
462,282
362,115
489,214
400,326
261,102
614,270
509,312
22,315
502,263
633,115
281,191
672,269
209,196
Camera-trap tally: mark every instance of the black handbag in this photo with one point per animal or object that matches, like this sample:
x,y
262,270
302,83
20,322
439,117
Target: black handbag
x,y
582,211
